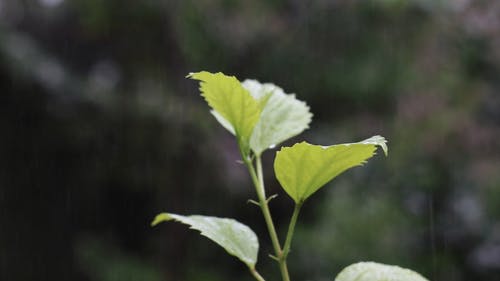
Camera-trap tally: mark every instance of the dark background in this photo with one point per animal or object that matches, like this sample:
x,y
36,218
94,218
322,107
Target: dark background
x,y
100,131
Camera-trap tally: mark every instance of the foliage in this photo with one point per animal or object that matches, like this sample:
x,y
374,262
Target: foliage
x,y
232,103
304,168
301,169
282,117
371,271
236,238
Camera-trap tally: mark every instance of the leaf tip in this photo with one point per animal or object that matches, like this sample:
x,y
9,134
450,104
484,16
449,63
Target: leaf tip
x,y
200,75
160,218
380,141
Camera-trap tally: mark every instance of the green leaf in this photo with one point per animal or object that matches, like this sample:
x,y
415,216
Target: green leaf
x,y
304,168
283,116
236,238
371,271
232,105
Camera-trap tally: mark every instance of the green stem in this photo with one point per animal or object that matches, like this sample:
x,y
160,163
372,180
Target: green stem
x,y
256,275
291,230
258,181
260,175
264,207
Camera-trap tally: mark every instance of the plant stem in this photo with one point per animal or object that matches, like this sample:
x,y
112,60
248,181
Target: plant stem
x,y
291,230
259,187
256,274
258,181
260,175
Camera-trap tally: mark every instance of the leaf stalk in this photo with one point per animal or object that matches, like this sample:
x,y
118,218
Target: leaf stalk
x,y
291,229
256,274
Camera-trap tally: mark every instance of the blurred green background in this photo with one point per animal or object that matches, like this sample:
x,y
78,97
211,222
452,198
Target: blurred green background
x,y
101,131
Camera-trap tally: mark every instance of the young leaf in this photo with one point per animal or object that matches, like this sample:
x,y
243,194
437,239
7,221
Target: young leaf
x,y
236,238
283,116
232,105
304,168
371,271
